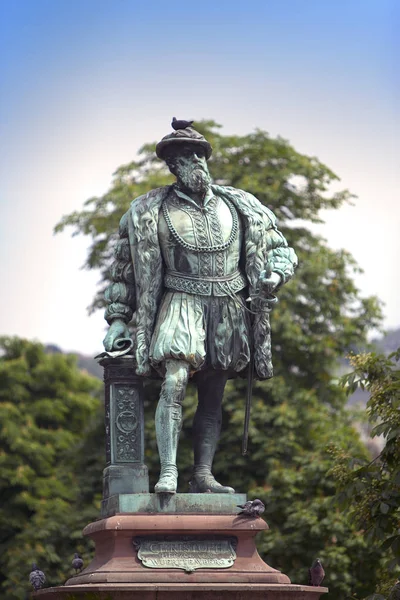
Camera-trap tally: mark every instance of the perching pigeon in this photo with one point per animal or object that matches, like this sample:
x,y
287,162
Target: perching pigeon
x,y
180,123
316,574
252,508
37,578
77,563
394,593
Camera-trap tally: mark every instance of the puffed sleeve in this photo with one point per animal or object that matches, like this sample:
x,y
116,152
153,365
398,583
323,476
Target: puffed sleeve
x,y
120,294
281,258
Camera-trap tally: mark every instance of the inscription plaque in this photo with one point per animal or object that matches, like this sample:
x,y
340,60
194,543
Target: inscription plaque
x,y
187,553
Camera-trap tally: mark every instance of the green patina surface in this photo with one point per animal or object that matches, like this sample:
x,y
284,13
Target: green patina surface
x,y
225,504
187,257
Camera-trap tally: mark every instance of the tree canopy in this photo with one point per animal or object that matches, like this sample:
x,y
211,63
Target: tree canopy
x,y
301,411
370,489
47,410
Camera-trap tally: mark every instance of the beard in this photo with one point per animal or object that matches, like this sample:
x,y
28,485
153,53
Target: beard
x,y
195,179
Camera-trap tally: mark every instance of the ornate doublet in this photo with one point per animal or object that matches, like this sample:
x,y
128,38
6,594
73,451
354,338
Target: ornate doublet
x,y
201,307
201,245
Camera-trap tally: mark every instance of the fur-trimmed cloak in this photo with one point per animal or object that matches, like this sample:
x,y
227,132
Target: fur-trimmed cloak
x,y
138,270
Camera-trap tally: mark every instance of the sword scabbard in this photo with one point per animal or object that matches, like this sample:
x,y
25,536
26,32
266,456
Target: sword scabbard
x,y
249,393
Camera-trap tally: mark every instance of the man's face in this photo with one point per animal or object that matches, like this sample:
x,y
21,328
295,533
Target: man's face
x,y
190,167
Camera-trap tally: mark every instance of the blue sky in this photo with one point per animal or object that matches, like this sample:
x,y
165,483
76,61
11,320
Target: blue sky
x,y
85,84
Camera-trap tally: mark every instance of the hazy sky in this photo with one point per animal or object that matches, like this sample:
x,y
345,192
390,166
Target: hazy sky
x,y
85,83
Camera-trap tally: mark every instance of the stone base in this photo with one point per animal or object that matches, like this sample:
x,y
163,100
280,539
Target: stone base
x,y
188,591
217,504
118,572
117,561
125,479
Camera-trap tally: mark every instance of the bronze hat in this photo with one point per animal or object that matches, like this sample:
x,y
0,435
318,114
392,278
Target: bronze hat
x,y
180,136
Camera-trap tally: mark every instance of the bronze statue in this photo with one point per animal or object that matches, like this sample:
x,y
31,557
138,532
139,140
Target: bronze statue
x,y
196,268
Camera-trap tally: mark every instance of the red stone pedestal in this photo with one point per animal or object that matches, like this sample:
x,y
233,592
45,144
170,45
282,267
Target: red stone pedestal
x,y
116,560
116,573
166,591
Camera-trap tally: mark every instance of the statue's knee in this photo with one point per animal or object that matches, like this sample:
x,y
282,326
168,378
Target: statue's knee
x,y
176,377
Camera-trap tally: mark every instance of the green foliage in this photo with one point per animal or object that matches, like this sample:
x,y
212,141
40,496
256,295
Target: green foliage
x,y
46,408
371,489
300,413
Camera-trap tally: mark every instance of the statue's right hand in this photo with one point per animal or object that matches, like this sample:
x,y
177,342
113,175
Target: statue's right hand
x,y
118,329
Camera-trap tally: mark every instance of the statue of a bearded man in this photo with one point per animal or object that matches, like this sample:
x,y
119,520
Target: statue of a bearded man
x,y
197,266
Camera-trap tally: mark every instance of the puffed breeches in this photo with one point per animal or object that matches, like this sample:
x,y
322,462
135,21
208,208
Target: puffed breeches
x,y
202,330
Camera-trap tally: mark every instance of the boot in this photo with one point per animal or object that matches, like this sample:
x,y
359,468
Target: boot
x,y
168,427
207,430
169,423
206,483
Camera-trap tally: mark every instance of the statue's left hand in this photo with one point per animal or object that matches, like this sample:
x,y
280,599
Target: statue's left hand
x,y
270,283
118,330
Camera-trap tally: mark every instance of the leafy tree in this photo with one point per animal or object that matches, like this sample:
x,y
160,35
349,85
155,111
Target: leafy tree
x,y
299,413
370,489
46,408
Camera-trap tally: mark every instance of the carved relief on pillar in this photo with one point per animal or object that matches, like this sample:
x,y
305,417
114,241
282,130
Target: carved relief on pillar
x,y
127,428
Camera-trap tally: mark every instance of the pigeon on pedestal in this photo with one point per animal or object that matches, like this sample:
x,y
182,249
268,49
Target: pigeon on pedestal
x,y
252,508
316,574
394,593
77,563
37,578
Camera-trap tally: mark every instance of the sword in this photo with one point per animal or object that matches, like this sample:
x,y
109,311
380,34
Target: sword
x,y
250,379
250,374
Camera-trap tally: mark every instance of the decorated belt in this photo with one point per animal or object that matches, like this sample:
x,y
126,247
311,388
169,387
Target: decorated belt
x,y
206,286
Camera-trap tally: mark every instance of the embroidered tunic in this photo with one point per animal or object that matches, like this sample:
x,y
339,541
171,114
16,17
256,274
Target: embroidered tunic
x,y
150,253
202,318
